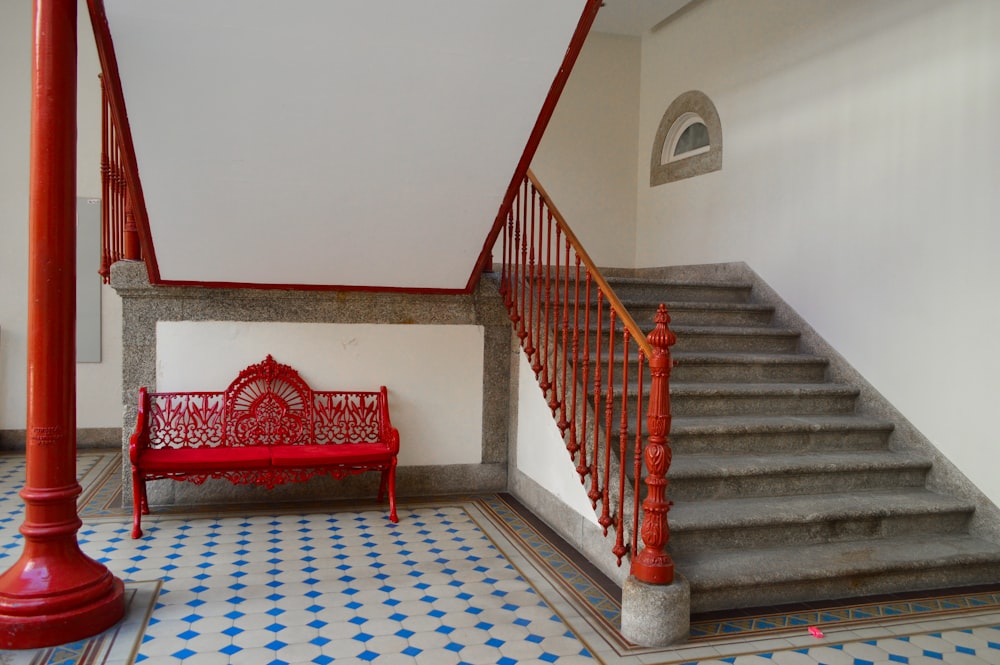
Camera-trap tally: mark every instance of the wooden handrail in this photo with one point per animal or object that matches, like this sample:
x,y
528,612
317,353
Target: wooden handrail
x,y
623,316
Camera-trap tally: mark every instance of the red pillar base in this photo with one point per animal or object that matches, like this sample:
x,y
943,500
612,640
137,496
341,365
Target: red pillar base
x,y
37,611
54,593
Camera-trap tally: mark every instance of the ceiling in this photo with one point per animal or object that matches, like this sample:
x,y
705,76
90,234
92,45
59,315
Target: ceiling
x,y
634,17
310,142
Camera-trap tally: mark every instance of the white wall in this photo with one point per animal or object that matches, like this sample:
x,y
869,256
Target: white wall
x,y
98,399
435,392
859,178
586,160
541,452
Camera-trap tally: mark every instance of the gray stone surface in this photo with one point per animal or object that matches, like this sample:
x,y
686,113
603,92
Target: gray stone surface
x,y
656,615
792,479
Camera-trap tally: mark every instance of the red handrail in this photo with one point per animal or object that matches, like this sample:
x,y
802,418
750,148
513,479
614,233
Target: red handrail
x,y
563,309
535,138
125,225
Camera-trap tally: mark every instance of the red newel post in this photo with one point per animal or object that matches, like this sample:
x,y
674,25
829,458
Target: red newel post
x,y
653,565
54,593
132,251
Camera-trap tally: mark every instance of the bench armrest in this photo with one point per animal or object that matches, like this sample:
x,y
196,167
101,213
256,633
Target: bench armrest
x,y
388,433
139,440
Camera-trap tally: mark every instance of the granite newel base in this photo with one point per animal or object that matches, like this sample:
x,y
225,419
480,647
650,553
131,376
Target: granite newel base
x,y
656,615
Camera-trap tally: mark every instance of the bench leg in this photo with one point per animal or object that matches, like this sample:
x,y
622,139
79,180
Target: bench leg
x,y
139,502
390,476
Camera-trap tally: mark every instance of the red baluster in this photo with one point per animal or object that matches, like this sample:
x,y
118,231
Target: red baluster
x,y
505,261
637,457
573,446
544,354
536,278
619,549
594,492
609,406
105,270
131,234
582,468
563,423
529,346
653,564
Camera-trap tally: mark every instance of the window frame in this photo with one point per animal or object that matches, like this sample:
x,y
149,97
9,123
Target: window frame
x,y
688,108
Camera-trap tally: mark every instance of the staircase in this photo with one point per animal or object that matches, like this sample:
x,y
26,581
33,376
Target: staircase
x,y
783,491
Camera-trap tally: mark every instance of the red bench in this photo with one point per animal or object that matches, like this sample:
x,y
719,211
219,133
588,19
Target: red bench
x,y
267,428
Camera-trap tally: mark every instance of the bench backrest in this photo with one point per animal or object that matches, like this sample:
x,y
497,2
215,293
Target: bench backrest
x,y
267,404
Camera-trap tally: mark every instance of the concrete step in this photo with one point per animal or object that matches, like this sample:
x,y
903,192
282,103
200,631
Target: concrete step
x,y
733,578
762,522
702,477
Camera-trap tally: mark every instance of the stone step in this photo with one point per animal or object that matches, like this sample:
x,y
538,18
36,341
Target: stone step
x,y
692,313
757,435
731,339
728,367
732,401
761,522
733,578
703,339
761,399
631,288
747,368
766,435
702,477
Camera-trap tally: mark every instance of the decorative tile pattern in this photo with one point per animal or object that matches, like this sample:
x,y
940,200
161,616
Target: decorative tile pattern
x,y
455,581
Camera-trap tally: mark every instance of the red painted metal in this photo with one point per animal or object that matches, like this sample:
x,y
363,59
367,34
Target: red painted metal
x,y
583,362
270,428
535,138
653,564
119,142
54,593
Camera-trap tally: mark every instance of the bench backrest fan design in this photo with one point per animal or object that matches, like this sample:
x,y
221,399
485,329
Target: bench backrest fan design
x,y
267,404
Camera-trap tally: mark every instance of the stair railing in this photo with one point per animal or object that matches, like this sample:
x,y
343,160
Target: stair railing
x,y
119,235
581,344
124,224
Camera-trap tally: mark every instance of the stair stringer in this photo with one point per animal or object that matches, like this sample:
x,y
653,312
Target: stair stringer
x,y
585,536
944,477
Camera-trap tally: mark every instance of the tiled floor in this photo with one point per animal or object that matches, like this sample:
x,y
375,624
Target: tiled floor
x,y
456,581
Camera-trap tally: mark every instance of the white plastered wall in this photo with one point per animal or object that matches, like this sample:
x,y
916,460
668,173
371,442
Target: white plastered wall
x,y
99,394
586,160
859,179
434,373
541,452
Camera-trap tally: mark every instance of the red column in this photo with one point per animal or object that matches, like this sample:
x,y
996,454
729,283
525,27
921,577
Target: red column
x,y
54,593
653,564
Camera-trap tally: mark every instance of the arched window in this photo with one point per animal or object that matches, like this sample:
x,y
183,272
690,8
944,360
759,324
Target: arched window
x,y
688,141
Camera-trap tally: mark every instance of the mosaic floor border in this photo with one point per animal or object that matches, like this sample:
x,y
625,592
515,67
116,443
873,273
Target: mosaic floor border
x,y
118,645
